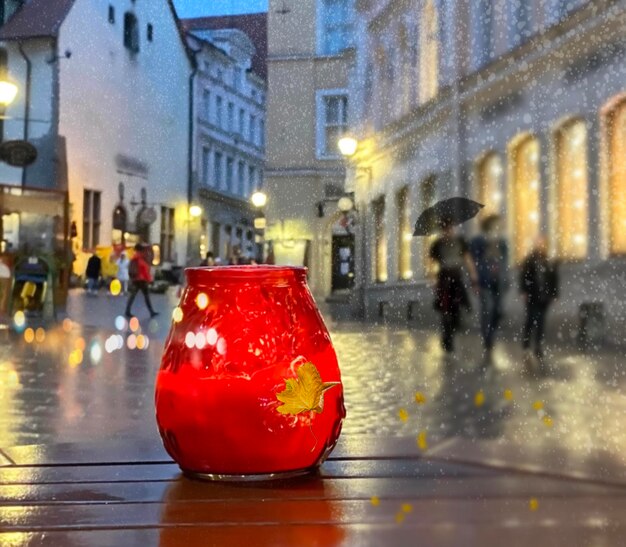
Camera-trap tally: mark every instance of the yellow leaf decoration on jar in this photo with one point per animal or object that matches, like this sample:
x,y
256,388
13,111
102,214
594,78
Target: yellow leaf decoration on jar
x,y
304,393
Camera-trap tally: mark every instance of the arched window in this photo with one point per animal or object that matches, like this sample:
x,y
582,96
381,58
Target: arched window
x,y
131,32
489,187
429,52
571,190
615,141
525,194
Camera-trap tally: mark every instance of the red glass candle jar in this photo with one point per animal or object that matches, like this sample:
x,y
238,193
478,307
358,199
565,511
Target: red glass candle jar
x,y
249,383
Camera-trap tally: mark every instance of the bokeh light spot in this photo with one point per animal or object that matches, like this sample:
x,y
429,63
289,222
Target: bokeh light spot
x,y
115,287
134,324
190,340
177,315
120,322
40,335
202,301
29,335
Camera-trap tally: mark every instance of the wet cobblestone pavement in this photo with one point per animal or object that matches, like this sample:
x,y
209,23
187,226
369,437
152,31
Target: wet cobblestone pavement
x,y
63,386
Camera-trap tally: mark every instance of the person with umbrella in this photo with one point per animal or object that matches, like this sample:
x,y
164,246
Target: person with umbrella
x,y
451,253
490,252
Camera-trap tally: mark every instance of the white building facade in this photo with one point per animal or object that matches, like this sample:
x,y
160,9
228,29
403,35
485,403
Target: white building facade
x,y
229,141
518,105
107,85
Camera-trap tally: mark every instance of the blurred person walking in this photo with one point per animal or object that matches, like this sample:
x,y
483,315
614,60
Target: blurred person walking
x,y
539,285
491,255
141,277
93,273
450,251
208,260
123,274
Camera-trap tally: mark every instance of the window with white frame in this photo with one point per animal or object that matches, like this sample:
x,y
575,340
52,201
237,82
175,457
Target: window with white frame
x,y
241,177
206,104
332,121
231,116
335,26
242,121
252,128
206,161
230,167
217,169
218,110
251,179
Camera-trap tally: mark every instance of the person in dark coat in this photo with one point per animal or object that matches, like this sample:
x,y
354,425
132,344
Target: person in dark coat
x,y
93,273
539,284
451,253
491,255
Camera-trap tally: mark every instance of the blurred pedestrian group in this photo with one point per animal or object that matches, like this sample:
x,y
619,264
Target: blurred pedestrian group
x,y
485,260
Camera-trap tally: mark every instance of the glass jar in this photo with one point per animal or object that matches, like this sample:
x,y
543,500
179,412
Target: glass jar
x,y
249,384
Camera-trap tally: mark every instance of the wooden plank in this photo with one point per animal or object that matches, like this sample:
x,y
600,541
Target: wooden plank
x,y
151,450
362,535
605,512
312,488
170,471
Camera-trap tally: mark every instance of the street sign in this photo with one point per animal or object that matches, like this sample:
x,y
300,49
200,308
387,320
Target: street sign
x,y
18,153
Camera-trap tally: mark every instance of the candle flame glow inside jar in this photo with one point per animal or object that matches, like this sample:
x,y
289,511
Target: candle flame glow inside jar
x,y
249,384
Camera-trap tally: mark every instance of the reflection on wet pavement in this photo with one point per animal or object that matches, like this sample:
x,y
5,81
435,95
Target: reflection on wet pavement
x,y
93,379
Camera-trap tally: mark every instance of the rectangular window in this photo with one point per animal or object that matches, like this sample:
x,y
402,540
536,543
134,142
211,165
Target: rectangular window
x,y
380,241
111,15
91,218
262,133
218,111
167,233
206,160
404,235
230,167
131,32
150,32
332,120
427,198
484,46
252,128
237,78
336,26
251,179
206,104
242,121
217,169
241,178
231,116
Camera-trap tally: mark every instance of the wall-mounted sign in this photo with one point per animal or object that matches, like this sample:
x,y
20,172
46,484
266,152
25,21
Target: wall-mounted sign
x,y
146,216
18,153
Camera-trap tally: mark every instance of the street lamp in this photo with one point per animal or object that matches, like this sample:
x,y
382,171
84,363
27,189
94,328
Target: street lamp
x,y
8,92
258,199
347,146
195,211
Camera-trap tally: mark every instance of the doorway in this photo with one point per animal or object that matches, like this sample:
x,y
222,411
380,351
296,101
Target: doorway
x,y
342,262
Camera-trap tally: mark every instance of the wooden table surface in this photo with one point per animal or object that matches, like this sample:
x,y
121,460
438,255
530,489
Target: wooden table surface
x,y
126,493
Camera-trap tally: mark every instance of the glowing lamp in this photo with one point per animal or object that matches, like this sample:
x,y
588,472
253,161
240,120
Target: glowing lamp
x,y
259,199
8,92
195,211
347,146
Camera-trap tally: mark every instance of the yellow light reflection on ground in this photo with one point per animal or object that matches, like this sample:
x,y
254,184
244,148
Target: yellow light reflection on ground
x,y
29,335
115,287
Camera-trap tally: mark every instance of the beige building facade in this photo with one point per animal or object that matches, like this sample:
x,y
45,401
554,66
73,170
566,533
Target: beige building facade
x,y
309,59
518,105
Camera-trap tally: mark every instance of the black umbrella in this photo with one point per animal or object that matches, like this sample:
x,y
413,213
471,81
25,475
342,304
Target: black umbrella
x,y
447,212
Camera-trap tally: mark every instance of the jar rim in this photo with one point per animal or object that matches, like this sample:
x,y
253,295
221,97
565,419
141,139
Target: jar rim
x,y
243,273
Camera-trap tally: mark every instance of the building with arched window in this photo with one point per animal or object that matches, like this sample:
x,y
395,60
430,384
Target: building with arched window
x,y
526,112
